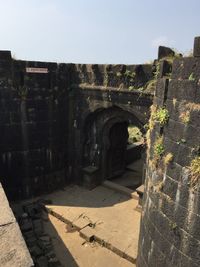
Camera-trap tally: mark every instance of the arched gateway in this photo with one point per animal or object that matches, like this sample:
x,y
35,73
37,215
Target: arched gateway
x,y
105,144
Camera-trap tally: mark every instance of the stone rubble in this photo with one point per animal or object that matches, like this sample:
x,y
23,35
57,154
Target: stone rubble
x,y
38,243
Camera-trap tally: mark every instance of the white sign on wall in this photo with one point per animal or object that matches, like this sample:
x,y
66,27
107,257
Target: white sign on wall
x,y
37,70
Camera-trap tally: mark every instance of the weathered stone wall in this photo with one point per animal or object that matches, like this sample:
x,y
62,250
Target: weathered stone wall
x,y
33,126
14,251
42,117
170,232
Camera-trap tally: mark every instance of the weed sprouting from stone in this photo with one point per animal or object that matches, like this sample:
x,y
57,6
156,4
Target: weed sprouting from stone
x,y
159,147
161,116
191,77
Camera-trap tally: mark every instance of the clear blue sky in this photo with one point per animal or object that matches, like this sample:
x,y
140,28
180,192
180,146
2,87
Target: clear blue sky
x,y
97,31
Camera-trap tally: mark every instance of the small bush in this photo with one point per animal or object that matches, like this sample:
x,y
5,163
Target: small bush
x,y
159,147
162,116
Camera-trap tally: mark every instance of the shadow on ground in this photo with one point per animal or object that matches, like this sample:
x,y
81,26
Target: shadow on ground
x,y
76,196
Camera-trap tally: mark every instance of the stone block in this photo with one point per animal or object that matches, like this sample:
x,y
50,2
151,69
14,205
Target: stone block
x,y
164,51
161,88
172,147
42,261
196,49
87,233
175,131
192,135
165,68
80,223
31,241
26,226
182,90
5,210
54,263
188,155
174,170
5,55
170,187
183,68
36,251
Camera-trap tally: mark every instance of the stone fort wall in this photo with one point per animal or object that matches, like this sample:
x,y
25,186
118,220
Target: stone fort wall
x,y
170,232
42,109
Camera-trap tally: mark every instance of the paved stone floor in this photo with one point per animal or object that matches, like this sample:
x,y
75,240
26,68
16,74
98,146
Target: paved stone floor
x,y
110,217
73,251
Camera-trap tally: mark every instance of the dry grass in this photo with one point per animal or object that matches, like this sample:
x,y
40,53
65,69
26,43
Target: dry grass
x,y
185,117
174,101
195,171
193,106
168,158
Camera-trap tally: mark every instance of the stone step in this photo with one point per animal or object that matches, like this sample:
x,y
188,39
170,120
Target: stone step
x,y
140,192
121,189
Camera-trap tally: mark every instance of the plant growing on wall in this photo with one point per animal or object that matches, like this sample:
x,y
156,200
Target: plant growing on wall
x,y
195,170
119,74
158,151
129,74
161,116
191,77
131,88
159,147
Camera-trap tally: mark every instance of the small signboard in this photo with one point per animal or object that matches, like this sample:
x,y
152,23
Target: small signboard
x,y
37,70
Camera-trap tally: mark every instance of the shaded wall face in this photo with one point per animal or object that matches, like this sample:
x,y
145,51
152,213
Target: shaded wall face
x,y
170,232
118,137
33,121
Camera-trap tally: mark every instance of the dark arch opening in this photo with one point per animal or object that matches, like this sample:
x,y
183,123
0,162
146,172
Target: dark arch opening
x,y
106,149
116,153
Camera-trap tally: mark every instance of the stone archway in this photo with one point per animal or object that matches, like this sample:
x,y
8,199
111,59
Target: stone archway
x,y
105,143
